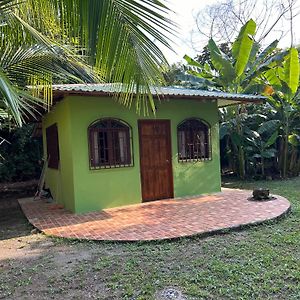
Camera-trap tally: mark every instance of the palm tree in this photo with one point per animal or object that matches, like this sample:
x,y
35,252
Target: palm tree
x,y
28,57
118,38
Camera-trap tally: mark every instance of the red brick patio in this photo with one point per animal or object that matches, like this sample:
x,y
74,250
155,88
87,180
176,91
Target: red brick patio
x,y
157,220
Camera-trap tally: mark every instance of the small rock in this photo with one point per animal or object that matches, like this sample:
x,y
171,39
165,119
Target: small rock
x,y
261,194
34,231
171,294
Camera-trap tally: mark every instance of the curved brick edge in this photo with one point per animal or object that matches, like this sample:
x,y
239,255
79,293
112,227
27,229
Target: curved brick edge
x,y
241,227
209,233
201,235
223,230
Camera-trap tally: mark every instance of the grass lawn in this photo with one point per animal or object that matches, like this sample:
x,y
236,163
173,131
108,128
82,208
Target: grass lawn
x,y
261,262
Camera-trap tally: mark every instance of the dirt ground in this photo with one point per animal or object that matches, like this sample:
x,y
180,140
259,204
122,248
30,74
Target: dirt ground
x,y
33,266
30,262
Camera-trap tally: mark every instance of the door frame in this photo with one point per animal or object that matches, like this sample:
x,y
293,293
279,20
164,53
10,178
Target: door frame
x,y
169,154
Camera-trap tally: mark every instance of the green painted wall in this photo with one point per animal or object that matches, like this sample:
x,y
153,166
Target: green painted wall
x,y
60,182
98,189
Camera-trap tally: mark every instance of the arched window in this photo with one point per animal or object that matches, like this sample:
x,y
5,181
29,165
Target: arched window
x,y
109,144
193,140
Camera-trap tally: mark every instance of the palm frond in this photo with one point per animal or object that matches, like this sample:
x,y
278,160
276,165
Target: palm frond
x,y
7,5
27,57
14,101
43,41
120,38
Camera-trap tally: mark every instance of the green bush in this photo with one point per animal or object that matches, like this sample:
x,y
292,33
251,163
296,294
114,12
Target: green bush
x,y
20,155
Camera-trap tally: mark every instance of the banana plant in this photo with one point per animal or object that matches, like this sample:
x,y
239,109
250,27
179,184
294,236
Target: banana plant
x,y
235,73
258,135
260,142
285,99
239,71
249,70
294,141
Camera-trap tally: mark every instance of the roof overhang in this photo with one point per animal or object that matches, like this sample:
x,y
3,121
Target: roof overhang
x,y
164,93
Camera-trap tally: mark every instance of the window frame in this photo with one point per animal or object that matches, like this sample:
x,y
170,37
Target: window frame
x,y
109,165
52,136
209,146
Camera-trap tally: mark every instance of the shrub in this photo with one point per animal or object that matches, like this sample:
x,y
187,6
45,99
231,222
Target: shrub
x,y
20,154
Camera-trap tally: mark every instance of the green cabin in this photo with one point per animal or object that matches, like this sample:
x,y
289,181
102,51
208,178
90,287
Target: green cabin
x,y
101,154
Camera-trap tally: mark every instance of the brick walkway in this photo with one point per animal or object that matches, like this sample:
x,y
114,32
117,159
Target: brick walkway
x,y
157,220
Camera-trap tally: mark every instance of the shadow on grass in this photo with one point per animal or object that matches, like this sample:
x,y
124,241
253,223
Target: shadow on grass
x,y
13,222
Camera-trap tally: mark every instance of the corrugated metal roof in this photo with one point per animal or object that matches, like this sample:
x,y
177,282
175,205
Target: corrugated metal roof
x,y
167,91
223,99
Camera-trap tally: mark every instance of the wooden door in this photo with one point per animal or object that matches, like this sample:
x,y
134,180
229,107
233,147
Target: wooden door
x,y
155,159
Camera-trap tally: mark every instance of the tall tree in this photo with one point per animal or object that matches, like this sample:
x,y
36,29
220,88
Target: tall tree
x,y
222,20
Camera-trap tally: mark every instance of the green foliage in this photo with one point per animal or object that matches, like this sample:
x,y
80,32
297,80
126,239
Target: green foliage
x,y
237,73
285,101
204,57
237,69
242,47
20,155
173,73
291,70
257,136
41,42
121,39
27,57
221,63
248,69
294,139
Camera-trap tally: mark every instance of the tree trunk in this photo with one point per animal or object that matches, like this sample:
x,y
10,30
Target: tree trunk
x,y
280,156
285,149
285,157
298,166
262,167
241,153
293,161
229,153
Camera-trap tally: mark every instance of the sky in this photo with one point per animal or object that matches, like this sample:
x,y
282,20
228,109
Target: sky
x,y
183,16
185,10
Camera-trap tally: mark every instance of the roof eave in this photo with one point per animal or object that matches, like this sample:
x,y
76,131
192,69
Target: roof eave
x,y
58,95
239,101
